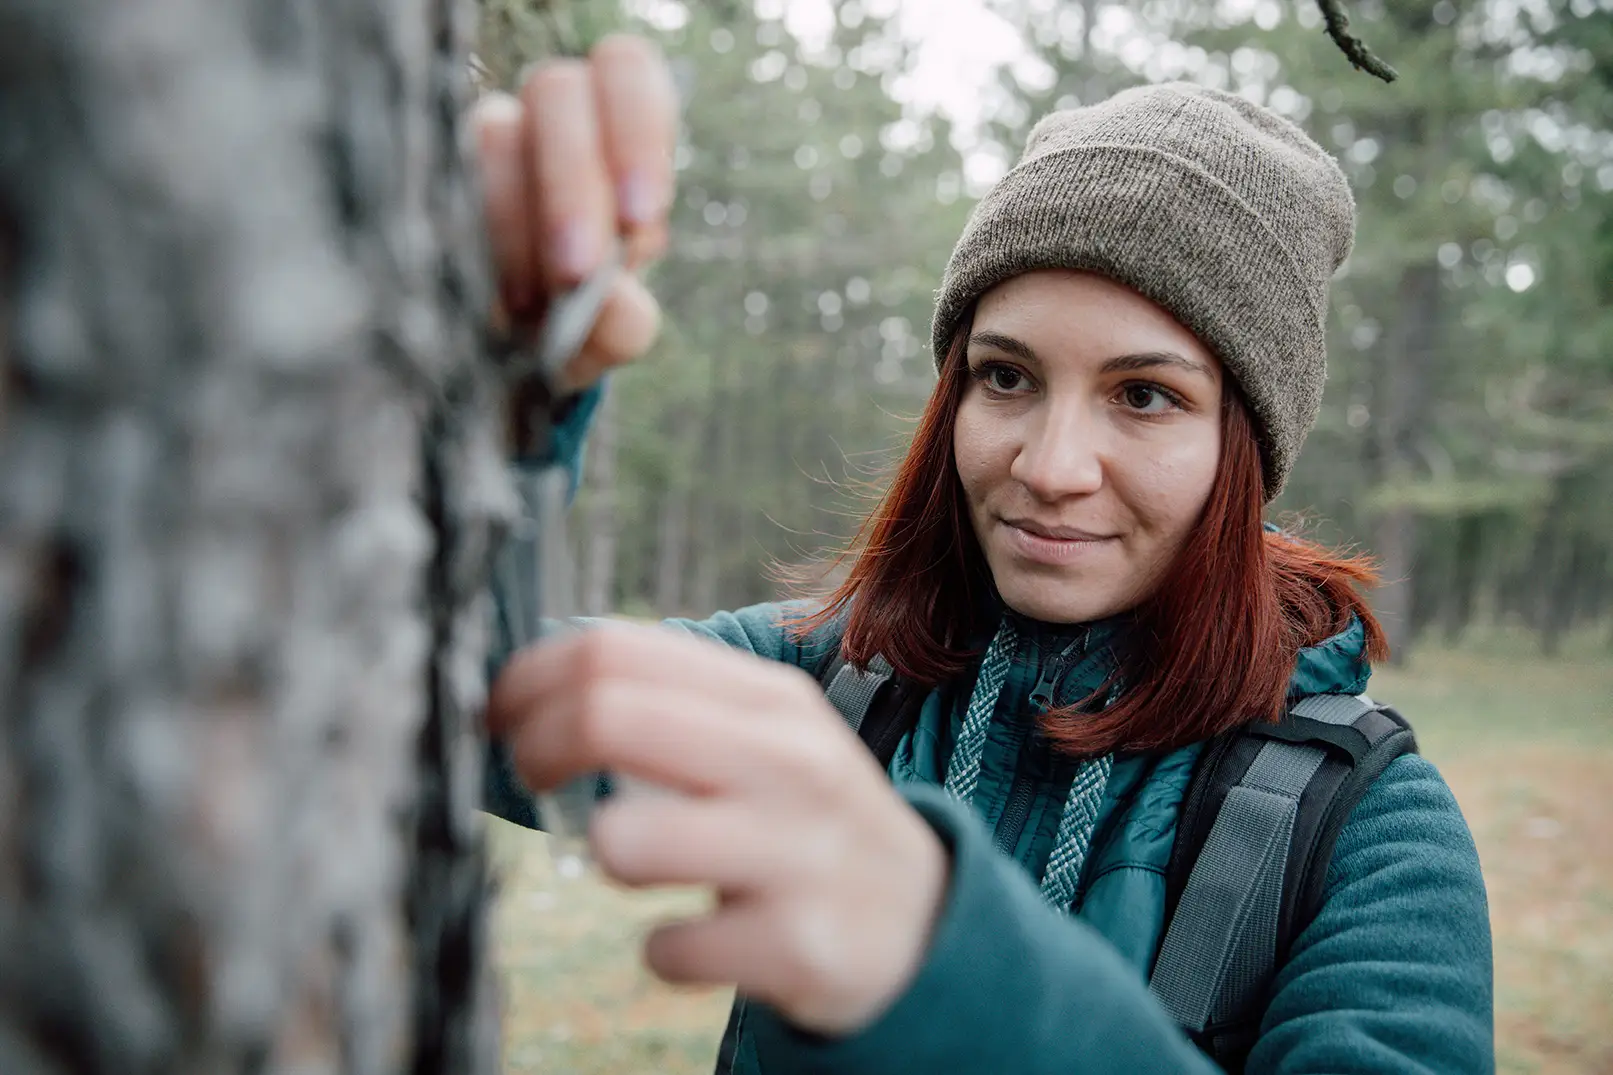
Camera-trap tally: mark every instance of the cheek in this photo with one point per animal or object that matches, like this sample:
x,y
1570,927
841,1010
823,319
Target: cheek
x,y
978,450
1172,489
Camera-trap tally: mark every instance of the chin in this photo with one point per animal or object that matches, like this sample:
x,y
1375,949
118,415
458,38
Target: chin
x,y
1053,602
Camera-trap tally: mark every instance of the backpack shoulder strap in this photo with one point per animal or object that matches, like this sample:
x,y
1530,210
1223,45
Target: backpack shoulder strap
x,y
851,689
1368,744
875,702
1249,867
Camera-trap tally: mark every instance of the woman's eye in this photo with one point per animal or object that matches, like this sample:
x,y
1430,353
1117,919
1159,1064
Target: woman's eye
x,y
1147,398
1001,378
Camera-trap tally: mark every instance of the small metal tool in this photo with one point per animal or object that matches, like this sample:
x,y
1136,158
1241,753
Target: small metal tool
x,y
535,564
566,327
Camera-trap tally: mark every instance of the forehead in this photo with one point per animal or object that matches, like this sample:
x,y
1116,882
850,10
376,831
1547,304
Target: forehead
x,y
1082,314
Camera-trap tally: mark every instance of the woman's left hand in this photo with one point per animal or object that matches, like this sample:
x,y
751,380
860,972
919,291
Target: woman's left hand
x,y
829,884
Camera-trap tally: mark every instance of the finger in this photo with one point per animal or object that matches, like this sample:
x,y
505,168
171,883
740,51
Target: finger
x,y
647,839
657,656
539,669
573,204
497,122
638,123
746,942
644,245
719,948
680,739
627,326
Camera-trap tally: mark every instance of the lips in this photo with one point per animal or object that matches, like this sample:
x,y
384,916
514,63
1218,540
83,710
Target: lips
x,y
1055,533
1029,541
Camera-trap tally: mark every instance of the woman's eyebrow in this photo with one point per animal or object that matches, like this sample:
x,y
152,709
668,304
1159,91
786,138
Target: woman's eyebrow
x,y
1146,359
1006,344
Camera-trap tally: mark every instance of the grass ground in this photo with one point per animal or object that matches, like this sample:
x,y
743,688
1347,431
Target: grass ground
x,y
1526,744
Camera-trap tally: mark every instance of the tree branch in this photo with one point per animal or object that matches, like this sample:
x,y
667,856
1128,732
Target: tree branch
x,y
1361,57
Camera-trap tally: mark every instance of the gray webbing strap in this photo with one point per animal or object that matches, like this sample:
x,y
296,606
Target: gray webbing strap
x,y
852,689
1334,708
1221,944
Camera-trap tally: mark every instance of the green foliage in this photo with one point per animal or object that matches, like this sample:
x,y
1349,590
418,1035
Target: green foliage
x,y
1454,496
1471,392
797,293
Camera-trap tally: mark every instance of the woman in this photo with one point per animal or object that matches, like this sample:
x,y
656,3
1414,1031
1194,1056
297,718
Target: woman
x,y
1071,558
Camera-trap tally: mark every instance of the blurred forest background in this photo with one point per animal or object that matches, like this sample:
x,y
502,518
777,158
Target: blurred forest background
x,y
1466,437
1467,433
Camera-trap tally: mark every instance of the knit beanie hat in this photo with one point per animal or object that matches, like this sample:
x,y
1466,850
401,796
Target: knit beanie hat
x,y
1222,212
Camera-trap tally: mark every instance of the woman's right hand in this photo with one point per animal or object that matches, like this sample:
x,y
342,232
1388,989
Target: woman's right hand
x,y
580,160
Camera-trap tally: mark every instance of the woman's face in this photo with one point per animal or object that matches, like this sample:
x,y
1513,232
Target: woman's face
x,y
1087,441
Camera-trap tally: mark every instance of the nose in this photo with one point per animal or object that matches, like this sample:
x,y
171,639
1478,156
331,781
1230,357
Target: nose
x,y
1062,454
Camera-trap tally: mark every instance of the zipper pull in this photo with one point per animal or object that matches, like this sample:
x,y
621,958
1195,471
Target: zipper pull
x,y
1053,672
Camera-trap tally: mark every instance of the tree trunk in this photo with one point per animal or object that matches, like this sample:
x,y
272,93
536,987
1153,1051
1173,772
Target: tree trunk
x,y
1395,542
1399,410
249,488
715,524
670,550
1547,609
672,535
1564,597
1465,573
1597,583
600,520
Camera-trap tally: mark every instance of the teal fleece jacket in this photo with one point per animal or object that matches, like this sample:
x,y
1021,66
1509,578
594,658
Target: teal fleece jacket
x,y
1394,974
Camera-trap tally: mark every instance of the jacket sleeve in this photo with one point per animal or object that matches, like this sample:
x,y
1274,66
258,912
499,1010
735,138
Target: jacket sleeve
x,y
1393,976
764,630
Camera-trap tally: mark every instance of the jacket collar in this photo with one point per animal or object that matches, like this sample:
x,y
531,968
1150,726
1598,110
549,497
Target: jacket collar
x,y
1335,665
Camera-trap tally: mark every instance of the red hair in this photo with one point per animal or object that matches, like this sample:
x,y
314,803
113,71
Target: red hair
x,y
1214,647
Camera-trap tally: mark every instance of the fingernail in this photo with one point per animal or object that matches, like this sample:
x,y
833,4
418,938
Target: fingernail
x,y
639,200
497,105
576,250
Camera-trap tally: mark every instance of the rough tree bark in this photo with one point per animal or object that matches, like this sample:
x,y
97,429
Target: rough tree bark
x,y
251,482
